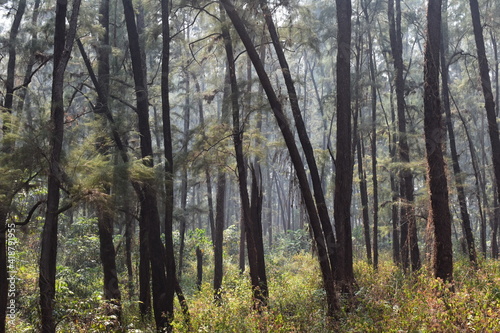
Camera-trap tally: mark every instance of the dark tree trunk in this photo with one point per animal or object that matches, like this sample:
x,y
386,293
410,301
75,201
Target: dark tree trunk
x,y
487,91
105,219
108,255
63,43
343,159
364,200
409,249
148,200
303,136
260,298
277,109
129,236
171,278
184,175
256,217
144,269
219,228
373,139
220,209
439,214
459,177
199,268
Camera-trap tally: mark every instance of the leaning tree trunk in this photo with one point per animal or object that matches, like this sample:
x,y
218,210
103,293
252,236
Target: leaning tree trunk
x,y
439,214
288,136
258,290
63,43
322,208
487,91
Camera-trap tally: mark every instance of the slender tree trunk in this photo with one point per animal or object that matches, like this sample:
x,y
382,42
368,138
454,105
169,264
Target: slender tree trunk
x,y
277,109
63,43
199,268
373,139
459,177
219,228
364,200
144,269
409,249
105,219
220,208
303,136
160,289
184,176
487,91
439,214
246,214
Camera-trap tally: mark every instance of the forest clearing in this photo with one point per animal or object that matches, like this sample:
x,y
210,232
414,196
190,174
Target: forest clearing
x,y
249,166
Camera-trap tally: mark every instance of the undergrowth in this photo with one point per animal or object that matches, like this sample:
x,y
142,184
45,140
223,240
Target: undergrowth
x,y
386,300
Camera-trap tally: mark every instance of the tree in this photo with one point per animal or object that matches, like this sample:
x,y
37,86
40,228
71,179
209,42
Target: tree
x,y
63,43
489,102
277,108
343,158
250,215
409,249
150,218
169,160
459,177
439,214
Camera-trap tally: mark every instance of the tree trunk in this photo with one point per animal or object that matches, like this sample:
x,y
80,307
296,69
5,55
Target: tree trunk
x,y
63,43
277,109
364,200
487,91
409,249
439,214
303,136
161,291
373,139
246,215
184,175
459,177
171,278
343,159
199,268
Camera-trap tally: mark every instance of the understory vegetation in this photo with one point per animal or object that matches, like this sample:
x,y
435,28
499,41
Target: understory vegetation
x,y
386,300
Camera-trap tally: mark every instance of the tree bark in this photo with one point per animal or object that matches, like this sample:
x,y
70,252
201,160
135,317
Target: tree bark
x,y
439,214
277,109
487,91
148,200
303,136
459,177
260,298
409,249
171,278
63,43
343,159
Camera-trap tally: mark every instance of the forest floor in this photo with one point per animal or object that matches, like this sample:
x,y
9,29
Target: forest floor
x,y
385,300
